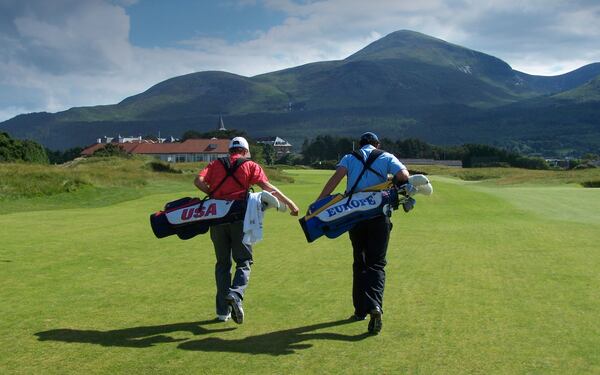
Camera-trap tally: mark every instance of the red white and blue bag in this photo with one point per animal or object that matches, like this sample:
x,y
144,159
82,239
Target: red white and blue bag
x,y
188,217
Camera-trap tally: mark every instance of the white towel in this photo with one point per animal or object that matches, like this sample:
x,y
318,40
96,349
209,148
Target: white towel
x,y
253,220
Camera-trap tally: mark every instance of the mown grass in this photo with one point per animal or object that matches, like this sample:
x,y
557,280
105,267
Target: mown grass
x,y
517,176
477,283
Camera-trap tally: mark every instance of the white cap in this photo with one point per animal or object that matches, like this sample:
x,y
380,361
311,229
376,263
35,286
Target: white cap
x,y
240,142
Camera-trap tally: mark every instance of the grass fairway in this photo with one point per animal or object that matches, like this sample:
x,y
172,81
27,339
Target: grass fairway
x,y
480,279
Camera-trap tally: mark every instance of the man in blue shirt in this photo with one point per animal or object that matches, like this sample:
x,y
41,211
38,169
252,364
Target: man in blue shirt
x,y
370,237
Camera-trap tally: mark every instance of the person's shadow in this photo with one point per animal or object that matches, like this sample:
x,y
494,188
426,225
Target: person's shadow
x,y
136,337
273,343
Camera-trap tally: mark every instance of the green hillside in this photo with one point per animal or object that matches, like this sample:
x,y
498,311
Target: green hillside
x,y
406,84
386,83
590,92
186,96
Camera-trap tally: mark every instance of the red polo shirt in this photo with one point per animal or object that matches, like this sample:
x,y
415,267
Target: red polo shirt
x,y
248,174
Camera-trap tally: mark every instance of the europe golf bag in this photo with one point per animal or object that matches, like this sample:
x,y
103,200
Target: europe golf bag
x,y
336,214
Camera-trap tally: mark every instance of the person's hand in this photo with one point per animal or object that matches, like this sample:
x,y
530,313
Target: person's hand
x,y
293,210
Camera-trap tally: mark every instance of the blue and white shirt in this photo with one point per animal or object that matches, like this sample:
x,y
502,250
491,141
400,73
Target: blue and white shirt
x,y
384,165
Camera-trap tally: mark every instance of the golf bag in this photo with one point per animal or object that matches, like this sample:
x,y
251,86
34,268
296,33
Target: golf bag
x,y
336,214
188,217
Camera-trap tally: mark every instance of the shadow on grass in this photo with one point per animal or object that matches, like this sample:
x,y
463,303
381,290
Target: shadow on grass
x,y
273,343
136,337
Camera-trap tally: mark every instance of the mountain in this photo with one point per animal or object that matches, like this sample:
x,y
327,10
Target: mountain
x,y
587,93
405,84
563,82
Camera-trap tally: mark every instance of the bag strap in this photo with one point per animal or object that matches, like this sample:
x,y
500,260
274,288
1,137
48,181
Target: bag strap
x,y
374,155
229,172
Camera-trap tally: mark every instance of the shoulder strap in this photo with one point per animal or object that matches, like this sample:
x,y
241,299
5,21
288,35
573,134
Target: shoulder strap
x,y
370,160
229,171
366,165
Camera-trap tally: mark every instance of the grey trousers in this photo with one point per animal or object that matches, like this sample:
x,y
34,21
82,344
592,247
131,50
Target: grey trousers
x,y
227,240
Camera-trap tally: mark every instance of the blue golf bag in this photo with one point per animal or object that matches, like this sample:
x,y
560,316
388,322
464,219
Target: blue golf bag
x,y
336,214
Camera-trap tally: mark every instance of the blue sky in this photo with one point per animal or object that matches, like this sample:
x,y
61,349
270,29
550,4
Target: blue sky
x,y
57,54
156,23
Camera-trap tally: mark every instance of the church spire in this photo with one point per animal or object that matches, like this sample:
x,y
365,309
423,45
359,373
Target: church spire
x,y
221,124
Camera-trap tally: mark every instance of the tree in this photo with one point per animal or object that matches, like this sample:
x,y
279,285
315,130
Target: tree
x,y
288,159
268,153
191,134
414,148
111,149
256,151
325,147
59,157
12,150
219,134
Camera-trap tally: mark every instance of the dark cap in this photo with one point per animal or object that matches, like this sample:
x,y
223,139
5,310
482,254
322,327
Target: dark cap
x,y
369,138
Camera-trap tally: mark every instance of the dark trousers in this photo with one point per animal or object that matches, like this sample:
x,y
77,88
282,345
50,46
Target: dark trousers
x,y
227,240
369,242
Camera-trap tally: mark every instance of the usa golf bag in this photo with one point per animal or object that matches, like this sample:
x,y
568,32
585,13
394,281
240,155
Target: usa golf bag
x,y
188,217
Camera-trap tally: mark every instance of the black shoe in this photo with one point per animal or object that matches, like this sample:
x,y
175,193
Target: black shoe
x,y
237,312
357,317
375,323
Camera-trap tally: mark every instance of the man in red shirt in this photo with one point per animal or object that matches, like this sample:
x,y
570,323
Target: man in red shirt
x,y
230,178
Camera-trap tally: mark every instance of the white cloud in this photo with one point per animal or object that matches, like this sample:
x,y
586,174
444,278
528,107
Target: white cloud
x,y
10,112
77,52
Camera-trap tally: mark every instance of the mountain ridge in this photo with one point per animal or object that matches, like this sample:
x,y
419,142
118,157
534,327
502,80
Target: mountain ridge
x,y
410,82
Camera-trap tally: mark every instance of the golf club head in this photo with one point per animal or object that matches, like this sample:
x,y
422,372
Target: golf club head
x,y
418,180
282,207
426,189
407,189
268,200
409,204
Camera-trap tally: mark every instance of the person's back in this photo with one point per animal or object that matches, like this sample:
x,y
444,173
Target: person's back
x,y
245,173
377,172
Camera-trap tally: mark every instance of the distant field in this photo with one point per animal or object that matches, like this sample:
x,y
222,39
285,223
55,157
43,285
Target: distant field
x,y
489,276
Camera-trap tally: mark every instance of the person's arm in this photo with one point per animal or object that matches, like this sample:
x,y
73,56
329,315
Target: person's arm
x,y
402,175
267,186
398,169
333,182
200,184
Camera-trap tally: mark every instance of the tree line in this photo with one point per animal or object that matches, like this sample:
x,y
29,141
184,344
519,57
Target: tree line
x,y
325,149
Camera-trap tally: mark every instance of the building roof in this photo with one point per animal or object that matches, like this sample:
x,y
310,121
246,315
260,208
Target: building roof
x,y
190,146
275,141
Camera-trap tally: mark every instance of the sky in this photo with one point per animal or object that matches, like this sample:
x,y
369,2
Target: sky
x,y
58,54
